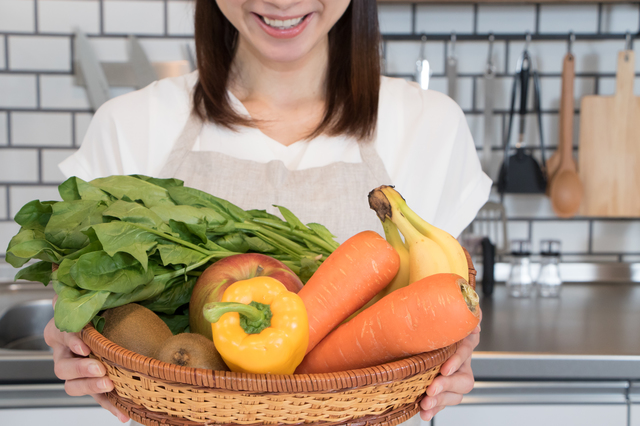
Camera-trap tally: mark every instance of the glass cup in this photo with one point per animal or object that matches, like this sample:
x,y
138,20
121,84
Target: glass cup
x,y
549,282
520,283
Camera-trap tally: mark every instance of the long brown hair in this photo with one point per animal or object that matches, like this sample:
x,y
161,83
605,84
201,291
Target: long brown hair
x,y
353,77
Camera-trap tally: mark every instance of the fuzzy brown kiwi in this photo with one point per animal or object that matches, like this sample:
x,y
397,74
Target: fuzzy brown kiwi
x,y
136,328
191,350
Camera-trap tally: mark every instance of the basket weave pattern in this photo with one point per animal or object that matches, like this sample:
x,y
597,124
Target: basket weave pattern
x,y
155,393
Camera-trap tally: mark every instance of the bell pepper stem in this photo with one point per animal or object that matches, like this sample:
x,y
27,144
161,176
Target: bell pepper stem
x,y
254,317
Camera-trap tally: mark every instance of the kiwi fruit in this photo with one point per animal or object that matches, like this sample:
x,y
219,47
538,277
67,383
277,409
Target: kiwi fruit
x,y
136,328
191,350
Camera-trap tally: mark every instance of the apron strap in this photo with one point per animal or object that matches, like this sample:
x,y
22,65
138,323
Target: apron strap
x,y
183,146
372,160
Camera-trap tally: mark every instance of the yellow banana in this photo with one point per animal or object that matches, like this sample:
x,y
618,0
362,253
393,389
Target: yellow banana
x,y
453,251
451,247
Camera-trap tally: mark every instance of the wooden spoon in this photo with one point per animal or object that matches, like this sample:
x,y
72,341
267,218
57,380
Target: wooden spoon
x,y
566,124
565,188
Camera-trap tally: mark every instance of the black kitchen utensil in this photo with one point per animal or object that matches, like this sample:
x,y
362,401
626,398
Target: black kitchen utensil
x,y
520,172
488,264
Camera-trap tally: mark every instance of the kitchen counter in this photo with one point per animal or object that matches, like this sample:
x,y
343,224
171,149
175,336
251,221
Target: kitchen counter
x,y
592,331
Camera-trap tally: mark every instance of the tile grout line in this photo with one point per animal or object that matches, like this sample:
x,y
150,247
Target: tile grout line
x,y
36,24
6,52
414,8
475,18
101,12
166,17
73,130
600,15
590,240
9,142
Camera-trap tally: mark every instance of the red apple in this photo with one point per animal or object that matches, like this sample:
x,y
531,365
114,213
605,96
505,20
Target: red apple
x,y
220,275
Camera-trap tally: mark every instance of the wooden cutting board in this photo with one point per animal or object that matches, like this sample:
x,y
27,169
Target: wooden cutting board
x,y
609,153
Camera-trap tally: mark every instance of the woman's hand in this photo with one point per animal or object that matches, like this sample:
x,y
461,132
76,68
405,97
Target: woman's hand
x,y
82,375
455,379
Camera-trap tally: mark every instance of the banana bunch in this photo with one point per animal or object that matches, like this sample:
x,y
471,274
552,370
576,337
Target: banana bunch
x,y
426,249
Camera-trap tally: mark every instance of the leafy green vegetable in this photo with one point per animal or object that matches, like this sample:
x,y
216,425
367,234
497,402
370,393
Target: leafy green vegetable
x,y
124,239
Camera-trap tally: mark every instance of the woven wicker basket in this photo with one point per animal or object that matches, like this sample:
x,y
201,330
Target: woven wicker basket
x,y
155,393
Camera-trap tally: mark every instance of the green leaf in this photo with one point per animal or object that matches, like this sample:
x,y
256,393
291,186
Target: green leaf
x,y
258,245
177,294
63,273
233,242
291,218
141,293
68,189
129,187
75,188
189,214
39,271
75,308
124,237
164,183
134,213
98,323
69,221
322,232
34,215
176,323
120,273
173,254
36,249
193,233
197,198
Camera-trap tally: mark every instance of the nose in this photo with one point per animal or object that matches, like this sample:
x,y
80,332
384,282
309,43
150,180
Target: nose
x,y
283,4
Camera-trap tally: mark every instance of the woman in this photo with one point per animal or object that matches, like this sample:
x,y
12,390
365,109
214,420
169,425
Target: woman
x,y
288,108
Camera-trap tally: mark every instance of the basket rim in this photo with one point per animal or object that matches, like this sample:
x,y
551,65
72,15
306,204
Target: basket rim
x,y
264,383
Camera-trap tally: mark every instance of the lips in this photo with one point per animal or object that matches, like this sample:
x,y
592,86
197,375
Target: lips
x,y
283,28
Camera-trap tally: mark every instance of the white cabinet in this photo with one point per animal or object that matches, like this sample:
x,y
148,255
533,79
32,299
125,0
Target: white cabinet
x,y
634,399
541,404
76,416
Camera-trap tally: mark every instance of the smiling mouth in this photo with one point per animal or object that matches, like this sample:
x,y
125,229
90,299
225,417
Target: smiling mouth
x,y
283,25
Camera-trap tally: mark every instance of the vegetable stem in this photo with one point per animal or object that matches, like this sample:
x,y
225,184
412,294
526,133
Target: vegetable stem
x,y
254,317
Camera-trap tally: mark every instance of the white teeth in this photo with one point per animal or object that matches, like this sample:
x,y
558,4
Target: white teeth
x,y
282,25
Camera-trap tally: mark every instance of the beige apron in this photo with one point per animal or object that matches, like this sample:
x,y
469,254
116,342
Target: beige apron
x,y
334,195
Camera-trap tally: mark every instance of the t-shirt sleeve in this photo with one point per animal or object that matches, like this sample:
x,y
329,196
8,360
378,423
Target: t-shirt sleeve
x,y
133,133
466,187
429,153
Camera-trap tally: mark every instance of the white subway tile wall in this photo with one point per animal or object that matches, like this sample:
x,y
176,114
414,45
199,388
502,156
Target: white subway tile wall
x,y
82,120
395,18
505,18
65,16
444,18
3,60
180,17
563,18
133,17
4,129
50,160
18,91
38,53
21,195
17,16
4,213
44,115
41,129
619,18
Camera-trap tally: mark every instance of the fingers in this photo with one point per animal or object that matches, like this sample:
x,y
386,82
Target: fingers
x,y
447,390
463,353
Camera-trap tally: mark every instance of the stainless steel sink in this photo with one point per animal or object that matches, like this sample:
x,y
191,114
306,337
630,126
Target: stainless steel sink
x,y
22,325
25,310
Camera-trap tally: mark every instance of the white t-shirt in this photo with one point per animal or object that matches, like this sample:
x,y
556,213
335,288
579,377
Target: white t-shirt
x,y
422,137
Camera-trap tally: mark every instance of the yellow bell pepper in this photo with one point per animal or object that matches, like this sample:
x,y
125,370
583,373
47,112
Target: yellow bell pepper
x,y
259,327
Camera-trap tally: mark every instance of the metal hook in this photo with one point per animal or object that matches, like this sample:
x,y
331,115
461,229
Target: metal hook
x,y
628,41
453,43
572,39
422,46
492,38
527,40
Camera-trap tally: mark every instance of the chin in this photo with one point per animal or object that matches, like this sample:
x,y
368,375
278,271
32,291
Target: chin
x,y
285,52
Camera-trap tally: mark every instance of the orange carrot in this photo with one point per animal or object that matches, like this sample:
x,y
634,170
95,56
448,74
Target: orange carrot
x,y
428,314
355,272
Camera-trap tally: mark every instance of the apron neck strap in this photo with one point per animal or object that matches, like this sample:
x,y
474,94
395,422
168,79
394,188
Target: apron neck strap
x,y
183,146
